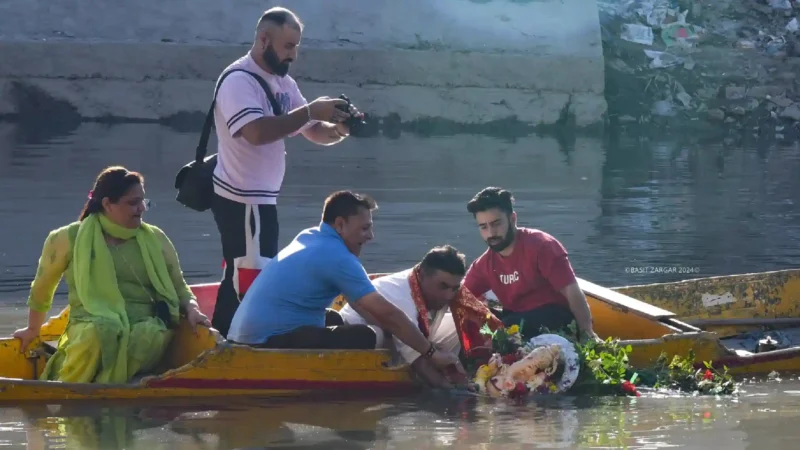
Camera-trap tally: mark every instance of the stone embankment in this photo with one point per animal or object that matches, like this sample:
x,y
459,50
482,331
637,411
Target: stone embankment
x,y
729,66
503,67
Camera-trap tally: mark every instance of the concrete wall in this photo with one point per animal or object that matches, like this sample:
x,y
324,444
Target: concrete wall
x,y
466,61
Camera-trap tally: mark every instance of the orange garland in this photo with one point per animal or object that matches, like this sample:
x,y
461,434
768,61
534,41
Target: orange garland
x,y
469,314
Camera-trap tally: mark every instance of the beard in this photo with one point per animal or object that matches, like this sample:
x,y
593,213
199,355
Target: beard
x,y
278,67
499,244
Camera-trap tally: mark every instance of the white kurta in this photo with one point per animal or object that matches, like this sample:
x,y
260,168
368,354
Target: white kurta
x,y
396,289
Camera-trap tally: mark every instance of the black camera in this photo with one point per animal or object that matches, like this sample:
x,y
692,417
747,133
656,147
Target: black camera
x,y
356,124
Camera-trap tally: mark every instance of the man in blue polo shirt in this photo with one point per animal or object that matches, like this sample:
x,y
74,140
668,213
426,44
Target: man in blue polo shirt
x,y
286,306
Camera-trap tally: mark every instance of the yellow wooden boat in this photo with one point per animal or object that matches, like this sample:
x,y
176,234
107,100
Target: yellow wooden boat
x,y
202,364
728,305
715,312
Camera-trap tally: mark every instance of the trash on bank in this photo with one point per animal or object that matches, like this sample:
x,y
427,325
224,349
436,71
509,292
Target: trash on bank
x,y
661,60
775,45
792,112
746,44
640,34
681,34
684,98
687,41
663,108
780,4
658,13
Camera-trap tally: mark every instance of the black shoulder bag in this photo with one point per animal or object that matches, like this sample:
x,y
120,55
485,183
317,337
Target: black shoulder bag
x,y
194,181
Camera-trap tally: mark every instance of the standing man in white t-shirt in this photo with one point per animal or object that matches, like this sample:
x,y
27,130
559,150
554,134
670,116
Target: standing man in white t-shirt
x,y
251,157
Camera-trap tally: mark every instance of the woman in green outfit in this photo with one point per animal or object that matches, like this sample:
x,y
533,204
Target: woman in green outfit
x,y
126,287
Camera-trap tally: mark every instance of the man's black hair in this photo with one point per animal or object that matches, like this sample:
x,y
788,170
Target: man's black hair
x,y
345,204
490,198
445,258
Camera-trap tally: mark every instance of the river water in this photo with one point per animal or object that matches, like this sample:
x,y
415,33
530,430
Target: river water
x,y
709,208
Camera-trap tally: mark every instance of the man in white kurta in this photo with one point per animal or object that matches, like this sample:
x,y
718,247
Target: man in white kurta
x,y
432,296
396,289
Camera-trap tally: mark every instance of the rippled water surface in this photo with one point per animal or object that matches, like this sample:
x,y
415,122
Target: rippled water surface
x,y
688,208
762,417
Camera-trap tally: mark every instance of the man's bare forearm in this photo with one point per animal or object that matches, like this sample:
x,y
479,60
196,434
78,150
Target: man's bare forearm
x,y
323,133
270,129
370,318
580,308
402,328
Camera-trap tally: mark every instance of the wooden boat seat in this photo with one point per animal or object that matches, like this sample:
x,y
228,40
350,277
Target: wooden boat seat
x,y
623,301
641,319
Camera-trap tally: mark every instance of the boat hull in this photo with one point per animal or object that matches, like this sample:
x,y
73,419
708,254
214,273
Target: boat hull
x,y
728,305
202,364
708,347
220,370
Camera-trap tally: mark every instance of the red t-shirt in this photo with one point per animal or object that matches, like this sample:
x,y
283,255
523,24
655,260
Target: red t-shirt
x,y
528,278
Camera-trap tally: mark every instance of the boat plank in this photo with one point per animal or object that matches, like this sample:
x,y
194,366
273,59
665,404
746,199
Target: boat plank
x,y
623,301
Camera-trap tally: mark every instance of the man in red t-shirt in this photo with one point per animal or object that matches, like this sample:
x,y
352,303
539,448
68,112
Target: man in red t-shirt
x,y
527,269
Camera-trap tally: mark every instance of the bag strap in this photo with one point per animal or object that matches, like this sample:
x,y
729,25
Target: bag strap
x,y
202,146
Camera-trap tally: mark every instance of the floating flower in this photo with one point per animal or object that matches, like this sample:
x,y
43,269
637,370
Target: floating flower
x,y
483,374
630,388
708,375
513,329
520,390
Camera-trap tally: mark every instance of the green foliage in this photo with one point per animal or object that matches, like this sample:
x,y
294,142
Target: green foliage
x,y
503,341
679,374
603,367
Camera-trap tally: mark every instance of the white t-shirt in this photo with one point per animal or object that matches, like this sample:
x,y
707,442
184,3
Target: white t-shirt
x,y
396,289
245,173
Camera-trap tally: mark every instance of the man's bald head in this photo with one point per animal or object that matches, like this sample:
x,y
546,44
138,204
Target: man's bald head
x,y
278,17
277,40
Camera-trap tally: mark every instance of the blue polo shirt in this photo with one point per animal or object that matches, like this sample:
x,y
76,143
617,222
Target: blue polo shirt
x,y
297,285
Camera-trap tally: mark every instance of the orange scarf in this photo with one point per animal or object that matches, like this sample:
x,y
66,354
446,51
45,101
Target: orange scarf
x,y
469,314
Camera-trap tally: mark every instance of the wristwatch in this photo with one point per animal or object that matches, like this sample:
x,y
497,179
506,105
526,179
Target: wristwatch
x,y
430,351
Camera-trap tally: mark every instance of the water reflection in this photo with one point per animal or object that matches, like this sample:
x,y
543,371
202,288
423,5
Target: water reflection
x,y
614,205
764,416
